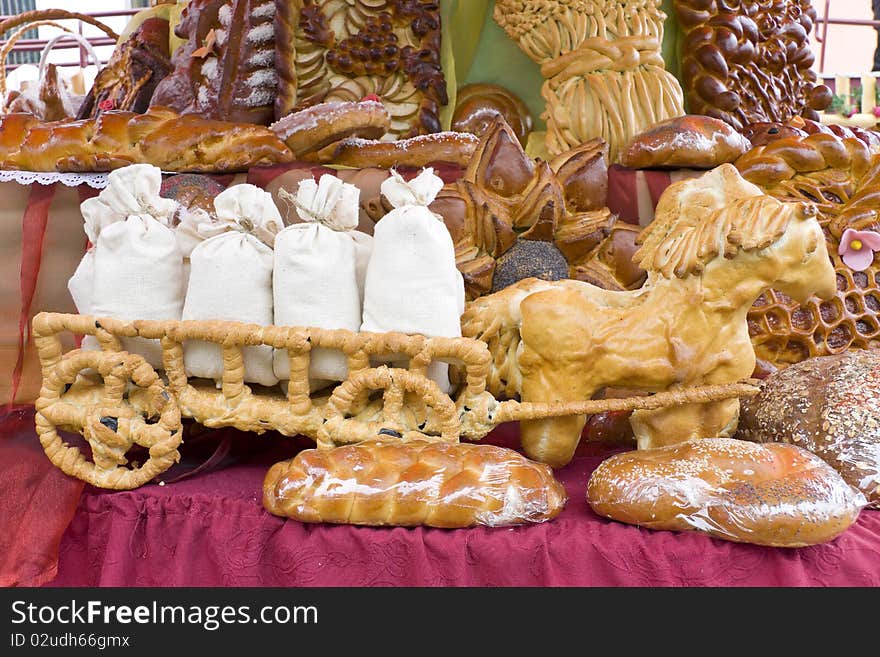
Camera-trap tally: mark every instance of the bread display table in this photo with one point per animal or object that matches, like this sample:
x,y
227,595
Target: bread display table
x,y
210,530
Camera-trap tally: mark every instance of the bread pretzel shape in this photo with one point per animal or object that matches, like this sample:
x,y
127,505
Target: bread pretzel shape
x,y
447,485
776,495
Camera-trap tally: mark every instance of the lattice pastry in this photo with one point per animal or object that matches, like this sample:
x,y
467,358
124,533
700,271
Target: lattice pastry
x,y
842,178
349,49
605,76
225,70
744,62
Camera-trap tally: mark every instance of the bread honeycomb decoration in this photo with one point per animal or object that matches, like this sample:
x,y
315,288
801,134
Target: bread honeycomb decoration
x,y
841,175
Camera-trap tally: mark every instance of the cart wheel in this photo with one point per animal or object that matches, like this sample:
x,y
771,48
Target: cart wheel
x,y
340,428
113,424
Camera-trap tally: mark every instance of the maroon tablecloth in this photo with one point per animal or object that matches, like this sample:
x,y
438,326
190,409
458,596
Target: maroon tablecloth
x,y
211,530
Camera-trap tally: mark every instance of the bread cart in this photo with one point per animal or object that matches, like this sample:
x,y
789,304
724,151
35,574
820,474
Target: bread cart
x,y
116,400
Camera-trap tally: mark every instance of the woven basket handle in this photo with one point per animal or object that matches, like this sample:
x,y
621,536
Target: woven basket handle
x,y
29,20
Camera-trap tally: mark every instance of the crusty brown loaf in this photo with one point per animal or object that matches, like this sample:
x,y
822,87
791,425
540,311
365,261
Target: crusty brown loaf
x,y
762,133
744,62
684,142
310,130
776,495
116,139
417,483
225,70
829,406
286,21
423,150
477,105
135,69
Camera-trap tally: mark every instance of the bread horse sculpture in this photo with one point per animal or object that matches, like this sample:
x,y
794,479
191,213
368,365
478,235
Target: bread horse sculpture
x,y
716,243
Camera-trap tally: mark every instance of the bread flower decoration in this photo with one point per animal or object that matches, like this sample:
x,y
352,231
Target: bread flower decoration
x,y
857,248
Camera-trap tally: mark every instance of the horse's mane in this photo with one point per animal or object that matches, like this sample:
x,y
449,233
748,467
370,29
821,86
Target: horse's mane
x,y
683,242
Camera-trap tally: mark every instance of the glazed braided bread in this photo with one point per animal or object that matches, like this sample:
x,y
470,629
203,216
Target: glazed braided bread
x,y
415,483
116,139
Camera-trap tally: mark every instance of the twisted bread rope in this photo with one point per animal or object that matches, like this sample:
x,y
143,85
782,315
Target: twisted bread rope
x,y
608,89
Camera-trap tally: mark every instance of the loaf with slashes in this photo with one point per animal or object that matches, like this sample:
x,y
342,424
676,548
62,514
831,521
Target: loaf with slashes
x,y
416,483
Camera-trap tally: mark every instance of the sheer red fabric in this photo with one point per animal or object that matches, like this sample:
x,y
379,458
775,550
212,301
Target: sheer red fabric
x,y
37,502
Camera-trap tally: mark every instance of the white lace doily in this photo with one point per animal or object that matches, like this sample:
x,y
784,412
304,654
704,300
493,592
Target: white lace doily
x,y
93,180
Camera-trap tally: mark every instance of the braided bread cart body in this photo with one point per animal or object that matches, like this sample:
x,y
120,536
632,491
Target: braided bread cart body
x,y
116,400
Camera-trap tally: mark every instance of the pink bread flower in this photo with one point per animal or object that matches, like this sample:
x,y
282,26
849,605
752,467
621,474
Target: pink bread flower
x,y
857,248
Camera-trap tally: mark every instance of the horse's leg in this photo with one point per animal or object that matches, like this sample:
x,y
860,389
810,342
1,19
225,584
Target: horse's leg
x,y
676,424
554,364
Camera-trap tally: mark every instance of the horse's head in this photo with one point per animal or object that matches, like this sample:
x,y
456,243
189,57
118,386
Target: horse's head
x,y
809,271
704,223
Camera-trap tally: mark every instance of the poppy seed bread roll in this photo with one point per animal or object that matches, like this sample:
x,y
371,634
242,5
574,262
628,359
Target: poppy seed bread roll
x,y
776,495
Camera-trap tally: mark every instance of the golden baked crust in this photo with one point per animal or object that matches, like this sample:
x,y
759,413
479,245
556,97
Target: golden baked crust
x,y
135,69
840,176
115,139
455,148
310,130
417,483
601,61
225,69
776,495
477,105
717,242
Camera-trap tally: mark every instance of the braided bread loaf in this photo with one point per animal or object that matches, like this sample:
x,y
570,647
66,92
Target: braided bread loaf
x,y
115,139
415,483
841,177
744,62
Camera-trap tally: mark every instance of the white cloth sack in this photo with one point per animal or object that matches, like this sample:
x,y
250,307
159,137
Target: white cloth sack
x,y
412,284
132,205
230,277
137,275
316,271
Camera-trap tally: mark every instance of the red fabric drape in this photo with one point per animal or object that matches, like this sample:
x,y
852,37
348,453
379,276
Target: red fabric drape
x,y
37,502
33,232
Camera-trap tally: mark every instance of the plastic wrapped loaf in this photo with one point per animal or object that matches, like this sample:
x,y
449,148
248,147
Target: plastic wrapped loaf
x,y
416,483
828,405
412,283
319,270
776,495
231,277
133,269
